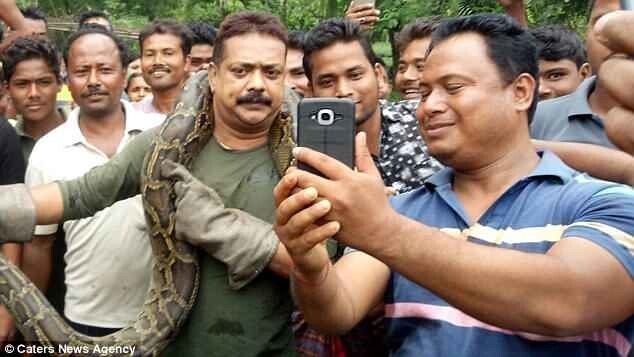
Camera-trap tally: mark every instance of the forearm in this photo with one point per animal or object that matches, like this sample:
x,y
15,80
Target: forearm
x,y
281,263
11,15
13,253
597,161
48,203
514,290
37,260
517,11
326,306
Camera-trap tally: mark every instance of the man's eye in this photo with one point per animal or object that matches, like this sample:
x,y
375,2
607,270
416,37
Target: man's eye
x,y
555,76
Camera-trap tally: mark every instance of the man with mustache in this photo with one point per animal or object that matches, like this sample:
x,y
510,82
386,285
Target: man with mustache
x,y
164,47
243,306
101,126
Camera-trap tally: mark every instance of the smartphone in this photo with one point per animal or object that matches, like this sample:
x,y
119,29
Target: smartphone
x,y
327,125
627,5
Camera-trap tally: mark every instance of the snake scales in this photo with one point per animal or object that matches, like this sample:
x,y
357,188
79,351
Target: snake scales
x,y
176,271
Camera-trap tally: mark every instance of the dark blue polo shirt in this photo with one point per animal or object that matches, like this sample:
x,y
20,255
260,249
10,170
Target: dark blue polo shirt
x,y
553,203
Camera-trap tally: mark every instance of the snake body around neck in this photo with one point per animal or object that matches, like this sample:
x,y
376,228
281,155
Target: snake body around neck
x,y
175,275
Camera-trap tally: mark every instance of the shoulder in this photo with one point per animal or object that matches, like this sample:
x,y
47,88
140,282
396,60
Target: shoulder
x,y
141,120
400,111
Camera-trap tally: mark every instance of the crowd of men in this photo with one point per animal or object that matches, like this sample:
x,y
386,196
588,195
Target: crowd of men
x,y
491,211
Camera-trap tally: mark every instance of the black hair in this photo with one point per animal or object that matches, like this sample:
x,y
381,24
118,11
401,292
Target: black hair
x,y
90,29
28,48
91,14
296,40
34,13
331,31
418,29
203,33
511,47
168,27
555,43
247,22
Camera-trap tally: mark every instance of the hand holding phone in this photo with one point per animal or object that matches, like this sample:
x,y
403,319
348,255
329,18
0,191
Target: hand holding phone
x,y
327,125
363,12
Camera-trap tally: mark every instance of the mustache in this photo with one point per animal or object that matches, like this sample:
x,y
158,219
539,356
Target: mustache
x,y
159,68
254,98
94,90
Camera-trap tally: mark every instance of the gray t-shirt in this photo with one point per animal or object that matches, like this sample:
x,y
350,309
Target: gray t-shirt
x,y
569,118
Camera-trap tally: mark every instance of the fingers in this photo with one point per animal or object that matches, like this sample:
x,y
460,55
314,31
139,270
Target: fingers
x,y
363,158
319,234
355,9
614,31
617,76
329,167
305,218
284,188
294,204
366,12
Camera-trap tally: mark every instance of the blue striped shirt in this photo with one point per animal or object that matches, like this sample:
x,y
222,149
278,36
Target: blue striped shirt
x,y
552,203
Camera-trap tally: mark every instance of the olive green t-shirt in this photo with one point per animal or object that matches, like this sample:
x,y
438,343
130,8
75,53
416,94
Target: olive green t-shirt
x,y
252,321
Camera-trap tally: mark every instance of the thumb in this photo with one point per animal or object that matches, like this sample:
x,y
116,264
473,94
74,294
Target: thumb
x,y
363,158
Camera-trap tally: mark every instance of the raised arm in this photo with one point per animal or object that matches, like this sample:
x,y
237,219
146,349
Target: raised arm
x,y
597,161
11,15
516,10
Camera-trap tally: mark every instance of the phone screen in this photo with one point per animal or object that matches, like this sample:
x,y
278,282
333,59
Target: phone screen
x,y
627,4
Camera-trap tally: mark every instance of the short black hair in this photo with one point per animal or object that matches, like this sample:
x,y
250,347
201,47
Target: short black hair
x,y
91,29
296,40
202,33
331,31
91,14
248,22
555,43
418,29
28,48
34,13
511,47
168,27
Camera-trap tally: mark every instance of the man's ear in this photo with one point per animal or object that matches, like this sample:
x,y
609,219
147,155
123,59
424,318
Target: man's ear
x,y
524,91
382,80
188,63
212,72
585,70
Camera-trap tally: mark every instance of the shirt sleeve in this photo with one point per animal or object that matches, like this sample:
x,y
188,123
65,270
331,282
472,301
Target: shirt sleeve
x,y
118,179
12,166
35,176
606,219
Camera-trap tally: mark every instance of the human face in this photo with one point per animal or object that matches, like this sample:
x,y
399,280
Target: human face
x,y
163,62
410,68
138,89
33,88
342,70
135,66
597,52
295,76
558,78
249,82
95,75
468,115
199,57
38,28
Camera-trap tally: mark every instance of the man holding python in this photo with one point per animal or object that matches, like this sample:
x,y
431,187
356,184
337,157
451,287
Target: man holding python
x,y
237,142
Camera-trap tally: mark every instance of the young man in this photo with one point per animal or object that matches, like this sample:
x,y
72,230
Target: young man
x,y
581,116
248,82
563,63
36,20
201,54
295,76
100,127
339,62
94,17
507,251
412,43
164,47
32,78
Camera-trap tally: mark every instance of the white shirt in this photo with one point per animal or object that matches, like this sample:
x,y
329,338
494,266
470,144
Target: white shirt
x,y
108,257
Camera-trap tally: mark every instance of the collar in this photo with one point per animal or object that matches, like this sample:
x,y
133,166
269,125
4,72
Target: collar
x,y
549,166
19,123
580,107
75,136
